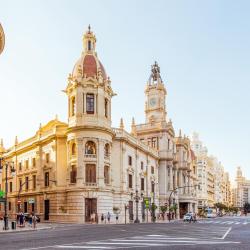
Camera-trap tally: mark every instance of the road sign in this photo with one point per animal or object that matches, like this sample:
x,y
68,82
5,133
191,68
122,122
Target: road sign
x,y
31,200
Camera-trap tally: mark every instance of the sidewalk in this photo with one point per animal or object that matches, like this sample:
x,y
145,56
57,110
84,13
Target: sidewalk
x,y
39,226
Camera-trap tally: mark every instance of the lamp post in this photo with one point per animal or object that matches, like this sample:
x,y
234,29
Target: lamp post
x,y
174,190
137,198
12,169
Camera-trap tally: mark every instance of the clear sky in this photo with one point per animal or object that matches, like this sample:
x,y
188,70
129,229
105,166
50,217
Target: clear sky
x,y
202,48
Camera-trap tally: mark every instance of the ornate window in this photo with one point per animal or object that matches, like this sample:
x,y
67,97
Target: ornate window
x,y
130,160
106,150
90,173
73,174
106,107
26,183
73,149
90,103
152,187
47,157
142,184
106,174
46,179
34,181
73,106
152,170
130,181
90,148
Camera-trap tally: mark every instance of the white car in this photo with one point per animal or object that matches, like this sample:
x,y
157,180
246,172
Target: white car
x,y
187,217
211,215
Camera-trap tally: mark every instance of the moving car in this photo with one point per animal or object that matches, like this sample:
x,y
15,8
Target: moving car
x,y
187,216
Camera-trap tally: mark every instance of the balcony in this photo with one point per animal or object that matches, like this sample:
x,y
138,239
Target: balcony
x,y
90,157
90,184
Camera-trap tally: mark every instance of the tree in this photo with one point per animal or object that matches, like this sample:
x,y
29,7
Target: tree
x,y
163,210
220,206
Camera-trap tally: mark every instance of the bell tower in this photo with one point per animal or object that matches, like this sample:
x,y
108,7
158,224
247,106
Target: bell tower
x,y
155,108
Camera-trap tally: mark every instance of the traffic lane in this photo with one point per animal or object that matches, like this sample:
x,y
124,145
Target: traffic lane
x,y
85,233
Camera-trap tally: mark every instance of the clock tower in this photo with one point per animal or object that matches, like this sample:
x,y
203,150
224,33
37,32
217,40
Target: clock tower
x,y
155,108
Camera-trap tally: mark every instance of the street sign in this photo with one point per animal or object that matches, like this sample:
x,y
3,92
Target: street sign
x,y
31,200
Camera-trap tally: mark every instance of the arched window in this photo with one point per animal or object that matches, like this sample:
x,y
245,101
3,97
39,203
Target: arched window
x,y
90,148
73,149
106,175
106,107
106,150
73,106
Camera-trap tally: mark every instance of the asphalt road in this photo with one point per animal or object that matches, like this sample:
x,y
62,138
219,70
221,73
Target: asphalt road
x,y
218,233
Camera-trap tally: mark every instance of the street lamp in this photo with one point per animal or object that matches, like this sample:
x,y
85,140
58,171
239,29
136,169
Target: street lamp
x,y
13,171
137,198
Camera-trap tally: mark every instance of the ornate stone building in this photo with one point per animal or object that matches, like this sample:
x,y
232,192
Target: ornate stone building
x,y
2,39
75,170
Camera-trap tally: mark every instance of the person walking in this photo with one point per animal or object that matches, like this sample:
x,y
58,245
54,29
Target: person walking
x,y
21,218
191,218
34,220
30,220
102,218
108,216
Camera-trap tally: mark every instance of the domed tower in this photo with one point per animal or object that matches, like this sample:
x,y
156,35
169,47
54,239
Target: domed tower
x,y
89,137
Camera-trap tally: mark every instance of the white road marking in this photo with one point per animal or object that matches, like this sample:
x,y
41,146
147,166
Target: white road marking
x,y
227,232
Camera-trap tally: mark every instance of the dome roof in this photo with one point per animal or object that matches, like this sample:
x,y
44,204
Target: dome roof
x,y
89,66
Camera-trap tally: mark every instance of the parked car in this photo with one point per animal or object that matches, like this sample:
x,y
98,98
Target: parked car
x,y
187,216
211,215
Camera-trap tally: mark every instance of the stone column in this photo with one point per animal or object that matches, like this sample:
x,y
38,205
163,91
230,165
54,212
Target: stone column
x,y
100,163
171,177
80,160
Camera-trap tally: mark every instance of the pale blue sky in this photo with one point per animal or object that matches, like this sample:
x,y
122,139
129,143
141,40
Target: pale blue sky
x,y
202,48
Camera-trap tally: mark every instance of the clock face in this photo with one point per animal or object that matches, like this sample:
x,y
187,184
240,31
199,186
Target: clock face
x,y
152,102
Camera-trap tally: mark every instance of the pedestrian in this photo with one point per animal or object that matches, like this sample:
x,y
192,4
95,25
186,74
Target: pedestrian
x,y
194,219
96,218
30,220
34,220
117,217
21,219
102,218
108,216
191,217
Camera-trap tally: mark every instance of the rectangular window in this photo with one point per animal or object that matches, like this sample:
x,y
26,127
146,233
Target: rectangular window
x,y
142,184
46,179
34,181
90,173
27,164
130,160
90,103
106,174
130,181
152,187
20,184
9,206
152,170
11,187
26,183
73,174
33,162
141,165
154,142
106,108
47,158
20,166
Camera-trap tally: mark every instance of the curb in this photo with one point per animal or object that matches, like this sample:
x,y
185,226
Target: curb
x,y
24,230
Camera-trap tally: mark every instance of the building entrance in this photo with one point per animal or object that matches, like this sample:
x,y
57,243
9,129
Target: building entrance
x,y
183,209
90,209
46,210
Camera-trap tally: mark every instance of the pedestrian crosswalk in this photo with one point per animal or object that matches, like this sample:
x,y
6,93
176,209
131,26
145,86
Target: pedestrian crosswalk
x,y
223,222
146,241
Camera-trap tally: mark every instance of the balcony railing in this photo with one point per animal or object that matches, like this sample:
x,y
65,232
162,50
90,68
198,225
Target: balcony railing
x,y
91,184
91,156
